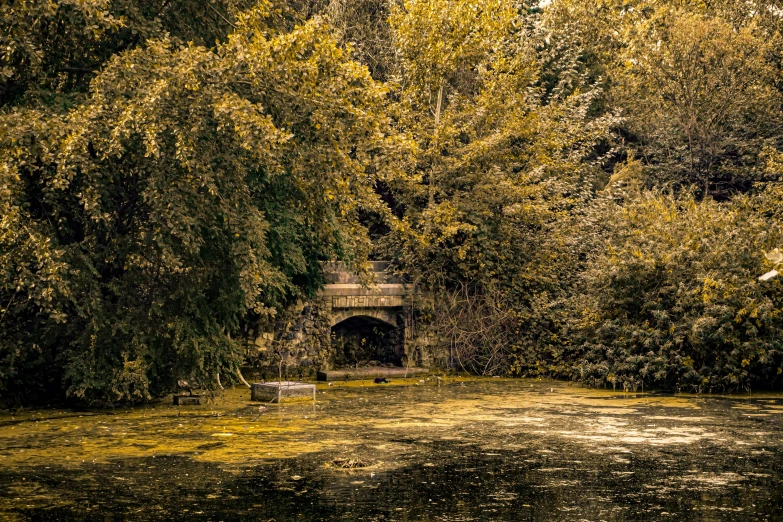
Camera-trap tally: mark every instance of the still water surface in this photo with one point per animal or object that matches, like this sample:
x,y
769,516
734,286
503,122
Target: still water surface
x,y
476,450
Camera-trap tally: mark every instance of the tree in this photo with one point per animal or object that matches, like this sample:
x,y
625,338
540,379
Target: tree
x,y
696,83
191,186
52,49
500,164
700,95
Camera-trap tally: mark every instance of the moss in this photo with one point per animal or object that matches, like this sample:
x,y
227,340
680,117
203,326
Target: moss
x,y
399,426
231,432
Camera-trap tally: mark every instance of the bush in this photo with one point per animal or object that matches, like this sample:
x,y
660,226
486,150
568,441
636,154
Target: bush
x,y
673,301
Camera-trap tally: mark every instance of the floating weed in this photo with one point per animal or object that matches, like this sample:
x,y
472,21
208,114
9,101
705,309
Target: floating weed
x,y
383,430
350,463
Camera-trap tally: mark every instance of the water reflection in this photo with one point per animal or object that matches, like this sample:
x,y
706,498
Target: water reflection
x,y
485,450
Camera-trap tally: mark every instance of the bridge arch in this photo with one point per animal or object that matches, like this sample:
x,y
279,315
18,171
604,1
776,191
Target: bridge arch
x,y
366,322
385,315
367,337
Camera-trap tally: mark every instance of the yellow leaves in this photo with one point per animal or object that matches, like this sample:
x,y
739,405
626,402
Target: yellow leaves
x,y
628,174
255,130
773,160
694,75
436,37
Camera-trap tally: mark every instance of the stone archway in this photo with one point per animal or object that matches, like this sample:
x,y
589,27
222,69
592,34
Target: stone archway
x,y
386,305
366,340
384,315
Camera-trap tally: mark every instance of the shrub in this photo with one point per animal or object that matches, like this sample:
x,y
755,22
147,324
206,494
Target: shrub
x,y
673,300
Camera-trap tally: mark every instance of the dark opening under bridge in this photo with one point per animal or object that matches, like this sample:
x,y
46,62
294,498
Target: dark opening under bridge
x,y
384,308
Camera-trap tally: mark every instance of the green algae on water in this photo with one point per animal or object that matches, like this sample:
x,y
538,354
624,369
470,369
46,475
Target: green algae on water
x,y
543,436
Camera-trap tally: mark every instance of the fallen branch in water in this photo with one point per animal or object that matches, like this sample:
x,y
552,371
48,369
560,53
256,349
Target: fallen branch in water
x,y
239,374
349,463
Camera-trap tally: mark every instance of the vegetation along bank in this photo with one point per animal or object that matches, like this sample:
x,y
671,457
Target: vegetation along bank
x,y
578,190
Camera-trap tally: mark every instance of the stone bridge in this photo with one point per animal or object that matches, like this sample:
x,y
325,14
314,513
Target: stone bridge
x,y
385,305
351,324
346,297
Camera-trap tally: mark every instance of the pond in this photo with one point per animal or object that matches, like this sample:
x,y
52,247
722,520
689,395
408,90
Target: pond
x,y
468,449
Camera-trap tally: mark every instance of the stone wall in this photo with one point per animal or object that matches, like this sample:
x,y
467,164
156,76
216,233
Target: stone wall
x,y
303,337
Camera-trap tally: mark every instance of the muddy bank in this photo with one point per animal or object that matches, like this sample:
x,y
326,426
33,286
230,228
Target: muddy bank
x,y
478,450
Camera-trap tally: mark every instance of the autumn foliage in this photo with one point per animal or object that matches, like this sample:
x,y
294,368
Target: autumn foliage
x,y
592,185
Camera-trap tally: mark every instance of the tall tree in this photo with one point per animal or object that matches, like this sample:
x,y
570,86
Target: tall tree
x,y
50,50
697,83
191,186
700,94
501,160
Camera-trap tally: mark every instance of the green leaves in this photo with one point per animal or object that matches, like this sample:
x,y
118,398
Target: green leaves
x,y
169,172
709,96
180,196
673,299
437,39
696,83
502,163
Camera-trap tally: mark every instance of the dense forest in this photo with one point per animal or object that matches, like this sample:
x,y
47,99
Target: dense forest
x,y
591,187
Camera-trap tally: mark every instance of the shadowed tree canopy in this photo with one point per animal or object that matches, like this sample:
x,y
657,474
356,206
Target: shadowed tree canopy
x,y
187,187
586,188
697,83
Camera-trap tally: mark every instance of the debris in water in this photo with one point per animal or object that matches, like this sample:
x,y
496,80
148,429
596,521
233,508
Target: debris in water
x,y
261,410
350,463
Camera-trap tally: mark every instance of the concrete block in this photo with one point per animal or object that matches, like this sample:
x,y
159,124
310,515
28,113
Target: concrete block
x,y
187,400
282,391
